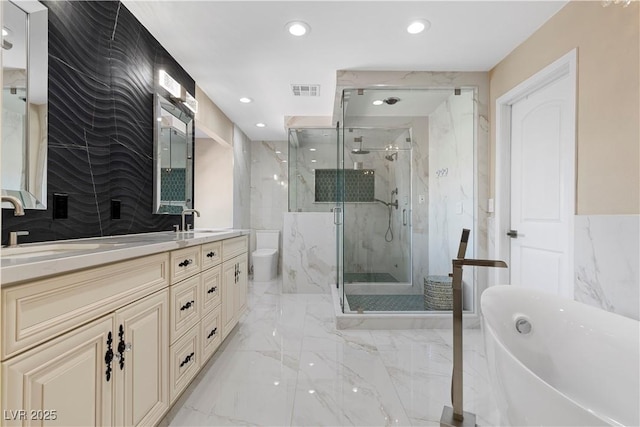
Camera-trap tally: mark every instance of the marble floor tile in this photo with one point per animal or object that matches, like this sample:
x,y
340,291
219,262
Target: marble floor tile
x,y
286,364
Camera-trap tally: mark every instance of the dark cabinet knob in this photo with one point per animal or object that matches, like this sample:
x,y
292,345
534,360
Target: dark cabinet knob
x,y
211,254
212,333
212,290
185,263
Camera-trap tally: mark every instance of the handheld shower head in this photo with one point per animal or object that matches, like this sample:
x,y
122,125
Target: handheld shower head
x,y
391,157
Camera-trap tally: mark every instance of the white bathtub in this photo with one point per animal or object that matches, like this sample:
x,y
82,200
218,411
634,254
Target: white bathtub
x,y
578,365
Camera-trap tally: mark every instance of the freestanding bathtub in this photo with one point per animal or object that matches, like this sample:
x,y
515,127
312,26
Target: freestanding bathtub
x,y
555,361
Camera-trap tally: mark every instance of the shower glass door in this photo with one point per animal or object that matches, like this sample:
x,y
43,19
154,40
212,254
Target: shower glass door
x,y
409,190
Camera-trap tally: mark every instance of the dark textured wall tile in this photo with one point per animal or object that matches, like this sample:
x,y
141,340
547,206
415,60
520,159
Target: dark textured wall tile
x,y
102,64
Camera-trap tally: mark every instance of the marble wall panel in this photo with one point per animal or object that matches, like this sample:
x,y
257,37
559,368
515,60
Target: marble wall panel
x,y
309,252
241,179
607,272
269,184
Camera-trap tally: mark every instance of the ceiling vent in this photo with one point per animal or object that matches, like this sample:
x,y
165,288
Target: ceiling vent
x,y
305,90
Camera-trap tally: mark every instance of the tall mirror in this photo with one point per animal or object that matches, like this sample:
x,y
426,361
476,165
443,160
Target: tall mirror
x,y
173,155
24,102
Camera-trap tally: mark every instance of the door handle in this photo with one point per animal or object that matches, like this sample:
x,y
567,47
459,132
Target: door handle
x,y
336,215
513,234
404,217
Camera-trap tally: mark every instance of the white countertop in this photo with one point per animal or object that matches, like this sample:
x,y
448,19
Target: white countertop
x,y
113,249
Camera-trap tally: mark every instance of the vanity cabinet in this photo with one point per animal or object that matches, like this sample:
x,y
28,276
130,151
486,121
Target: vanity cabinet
x,y
108,372
117,344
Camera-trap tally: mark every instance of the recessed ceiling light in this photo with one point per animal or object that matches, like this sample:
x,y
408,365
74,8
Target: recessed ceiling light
x,y
418,26
313,161
298,28
278,152
246,100
284,161
261,125
312,149
378,102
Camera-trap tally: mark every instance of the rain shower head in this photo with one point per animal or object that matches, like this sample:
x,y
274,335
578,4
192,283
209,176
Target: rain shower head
x,y
359,150
391,157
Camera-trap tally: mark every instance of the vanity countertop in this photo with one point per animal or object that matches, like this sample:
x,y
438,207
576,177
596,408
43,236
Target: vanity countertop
x,y
37,260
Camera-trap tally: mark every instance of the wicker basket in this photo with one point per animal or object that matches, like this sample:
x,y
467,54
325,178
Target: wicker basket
x,y
438,293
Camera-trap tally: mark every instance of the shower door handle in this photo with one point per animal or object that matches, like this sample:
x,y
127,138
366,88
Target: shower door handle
x,y
404,217
336,215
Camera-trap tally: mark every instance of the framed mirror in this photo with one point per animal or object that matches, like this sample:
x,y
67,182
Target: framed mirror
x,y
173,158
24,102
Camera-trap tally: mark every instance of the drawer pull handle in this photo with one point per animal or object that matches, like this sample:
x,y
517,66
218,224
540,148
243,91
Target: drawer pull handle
x,y
188,305
212,290
108,356
211,254
187,359
185,263
212,333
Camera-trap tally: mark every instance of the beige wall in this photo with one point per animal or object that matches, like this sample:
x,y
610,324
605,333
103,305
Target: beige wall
x,y
608,109
213,184
211,120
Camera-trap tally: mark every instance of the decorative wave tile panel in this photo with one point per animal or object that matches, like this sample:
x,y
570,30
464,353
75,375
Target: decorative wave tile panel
x,y
100,119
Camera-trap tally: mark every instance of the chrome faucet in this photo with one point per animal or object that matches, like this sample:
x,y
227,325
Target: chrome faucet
x,y
456,416
18,209
184,212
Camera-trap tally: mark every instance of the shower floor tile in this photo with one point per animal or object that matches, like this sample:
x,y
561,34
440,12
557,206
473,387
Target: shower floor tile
x,y
369,277
386,302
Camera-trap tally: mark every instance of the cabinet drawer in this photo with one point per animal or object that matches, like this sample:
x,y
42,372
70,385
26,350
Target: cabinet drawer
x,y
184,263
234,247
35,312
185,306
184,362
211,254
210,334
211,292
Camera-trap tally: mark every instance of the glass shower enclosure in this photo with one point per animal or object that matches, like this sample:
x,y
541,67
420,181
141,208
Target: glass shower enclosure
x,y
398,175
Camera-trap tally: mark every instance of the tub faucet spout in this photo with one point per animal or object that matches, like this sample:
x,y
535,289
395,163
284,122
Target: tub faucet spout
x,y
456,416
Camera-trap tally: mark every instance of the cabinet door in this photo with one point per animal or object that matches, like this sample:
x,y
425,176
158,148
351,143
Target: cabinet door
x,y
228,311
64,382
241,286
142,394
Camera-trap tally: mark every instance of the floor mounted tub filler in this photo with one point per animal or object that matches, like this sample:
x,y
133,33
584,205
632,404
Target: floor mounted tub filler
x,y
555,361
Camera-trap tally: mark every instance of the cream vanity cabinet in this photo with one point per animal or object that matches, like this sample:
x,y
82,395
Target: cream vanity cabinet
x,y
234,282
117,344
107,371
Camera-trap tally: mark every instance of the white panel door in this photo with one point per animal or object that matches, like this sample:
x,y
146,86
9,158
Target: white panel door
x,y
542,188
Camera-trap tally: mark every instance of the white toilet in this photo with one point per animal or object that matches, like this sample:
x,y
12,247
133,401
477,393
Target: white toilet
x,y
265,257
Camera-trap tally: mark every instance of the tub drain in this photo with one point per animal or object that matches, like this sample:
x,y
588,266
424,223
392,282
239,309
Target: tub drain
x,y
523,326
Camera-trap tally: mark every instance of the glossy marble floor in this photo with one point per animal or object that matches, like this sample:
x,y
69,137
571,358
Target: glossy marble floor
x,y
285,364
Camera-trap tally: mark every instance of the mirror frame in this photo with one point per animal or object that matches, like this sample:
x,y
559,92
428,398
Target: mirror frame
x,y
33,193
162,96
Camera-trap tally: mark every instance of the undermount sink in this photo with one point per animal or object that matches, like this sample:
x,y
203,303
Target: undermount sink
x,y
52,249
